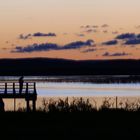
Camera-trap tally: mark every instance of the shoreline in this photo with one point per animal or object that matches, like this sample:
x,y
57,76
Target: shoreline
x,y
95,79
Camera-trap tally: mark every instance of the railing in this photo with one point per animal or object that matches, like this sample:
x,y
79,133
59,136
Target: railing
x,y
14,88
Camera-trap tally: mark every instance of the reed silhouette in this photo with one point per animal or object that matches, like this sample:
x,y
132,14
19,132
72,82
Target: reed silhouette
x,y
76,119
87,105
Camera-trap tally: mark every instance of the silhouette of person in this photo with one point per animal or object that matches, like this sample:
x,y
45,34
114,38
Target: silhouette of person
x,y
21,81
2,106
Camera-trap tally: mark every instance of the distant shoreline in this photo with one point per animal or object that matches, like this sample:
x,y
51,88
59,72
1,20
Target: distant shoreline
x,y
97,79
58,67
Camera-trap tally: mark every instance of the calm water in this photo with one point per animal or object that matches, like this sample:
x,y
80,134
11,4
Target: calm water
x,y
74,89
82,89
79,88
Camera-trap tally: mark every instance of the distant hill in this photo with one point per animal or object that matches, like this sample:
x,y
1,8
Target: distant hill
x,y
47,66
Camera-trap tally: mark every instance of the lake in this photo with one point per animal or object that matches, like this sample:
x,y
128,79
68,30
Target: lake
x,y
73,86
87,89
63,86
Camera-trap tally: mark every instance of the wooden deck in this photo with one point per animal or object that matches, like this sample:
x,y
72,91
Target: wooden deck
x,y
12,91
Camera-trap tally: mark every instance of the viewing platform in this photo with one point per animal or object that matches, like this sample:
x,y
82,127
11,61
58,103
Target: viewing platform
x,y
11,90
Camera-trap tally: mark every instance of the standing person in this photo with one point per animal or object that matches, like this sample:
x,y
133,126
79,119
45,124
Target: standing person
x,y
2,105
21,81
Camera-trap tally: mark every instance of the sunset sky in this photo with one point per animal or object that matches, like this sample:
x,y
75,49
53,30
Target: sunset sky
x,y
71,29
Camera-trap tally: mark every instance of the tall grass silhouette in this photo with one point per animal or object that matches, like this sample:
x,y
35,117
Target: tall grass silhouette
x,y
76,105
86,105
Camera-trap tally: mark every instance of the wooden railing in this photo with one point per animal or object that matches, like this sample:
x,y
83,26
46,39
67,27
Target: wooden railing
x,y
13,91
14,88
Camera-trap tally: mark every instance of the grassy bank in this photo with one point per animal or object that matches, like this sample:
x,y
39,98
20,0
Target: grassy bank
x,y
76,120
107,124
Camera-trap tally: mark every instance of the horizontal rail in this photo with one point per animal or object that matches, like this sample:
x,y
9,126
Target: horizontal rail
x,y
17,88
23,96
16,82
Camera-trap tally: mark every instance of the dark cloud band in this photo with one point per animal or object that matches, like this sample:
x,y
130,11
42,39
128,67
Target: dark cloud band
x,y
106,54
126,36
109,43
51,46
43,34
38,34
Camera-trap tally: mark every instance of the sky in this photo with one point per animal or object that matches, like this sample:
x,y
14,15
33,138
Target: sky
x,y
70,29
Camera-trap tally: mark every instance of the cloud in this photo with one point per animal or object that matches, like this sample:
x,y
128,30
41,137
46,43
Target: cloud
x,y
36,48
115,54
38,34
89,31
80,35
95,26
105,26
105,31
86,26
137,27
115,32
4,48
90,26
51,46
7,42
78,44
126,36
138,36
24,37
109,43
132,42
129,38
89,50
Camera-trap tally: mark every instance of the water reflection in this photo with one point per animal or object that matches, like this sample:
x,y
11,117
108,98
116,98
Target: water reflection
x,y
87,89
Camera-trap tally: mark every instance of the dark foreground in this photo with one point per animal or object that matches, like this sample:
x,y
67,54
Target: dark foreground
x,y
109,124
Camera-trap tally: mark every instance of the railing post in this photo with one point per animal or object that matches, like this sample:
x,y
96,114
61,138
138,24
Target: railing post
x,y
34,87
14,90
5,88
28,105
27,88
